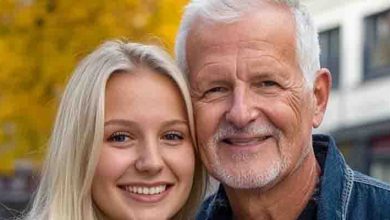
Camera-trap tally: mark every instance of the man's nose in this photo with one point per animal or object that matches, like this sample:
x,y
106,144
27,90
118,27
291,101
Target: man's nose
x,y
149,160
242,110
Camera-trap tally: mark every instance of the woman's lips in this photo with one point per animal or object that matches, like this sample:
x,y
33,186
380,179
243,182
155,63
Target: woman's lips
x,y
146,190
146,194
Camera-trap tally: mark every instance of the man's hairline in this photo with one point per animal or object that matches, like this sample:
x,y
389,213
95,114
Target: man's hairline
x,y
201,20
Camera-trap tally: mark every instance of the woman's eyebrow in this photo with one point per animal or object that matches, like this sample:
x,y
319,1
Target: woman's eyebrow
x,y
119,122
131,123
175,122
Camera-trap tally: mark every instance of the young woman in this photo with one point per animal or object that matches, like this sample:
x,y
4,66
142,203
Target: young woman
x,y
123,141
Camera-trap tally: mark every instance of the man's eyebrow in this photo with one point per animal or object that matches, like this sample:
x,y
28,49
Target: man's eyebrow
x,y
215,67
211,64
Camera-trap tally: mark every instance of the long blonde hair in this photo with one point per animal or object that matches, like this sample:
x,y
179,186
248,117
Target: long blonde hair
x,y
65,187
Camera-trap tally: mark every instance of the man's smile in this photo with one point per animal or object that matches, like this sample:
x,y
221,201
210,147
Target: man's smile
x,y
244,141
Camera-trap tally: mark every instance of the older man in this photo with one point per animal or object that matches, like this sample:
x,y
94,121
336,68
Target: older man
x,y
258,91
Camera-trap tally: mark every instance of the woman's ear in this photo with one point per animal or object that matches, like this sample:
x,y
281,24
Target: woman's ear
x,y
321,90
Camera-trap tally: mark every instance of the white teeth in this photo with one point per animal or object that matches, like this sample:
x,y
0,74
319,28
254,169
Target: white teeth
x,y
146,190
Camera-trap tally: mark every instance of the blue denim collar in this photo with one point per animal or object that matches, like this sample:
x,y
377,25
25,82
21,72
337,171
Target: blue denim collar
x,y
337,181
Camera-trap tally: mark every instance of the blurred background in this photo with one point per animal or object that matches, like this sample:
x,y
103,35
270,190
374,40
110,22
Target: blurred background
x,y
355,46
42,40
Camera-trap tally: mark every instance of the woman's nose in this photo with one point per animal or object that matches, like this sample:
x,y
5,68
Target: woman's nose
x,y
149,160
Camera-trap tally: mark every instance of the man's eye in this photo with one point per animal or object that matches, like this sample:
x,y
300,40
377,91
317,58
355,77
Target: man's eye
x,y
267,83
216,89
173,136
119,137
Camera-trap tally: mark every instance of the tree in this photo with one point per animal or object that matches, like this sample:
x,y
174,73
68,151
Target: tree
x,y
41,41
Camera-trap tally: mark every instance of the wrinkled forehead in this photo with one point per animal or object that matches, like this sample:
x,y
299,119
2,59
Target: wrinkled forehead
x,y
271,28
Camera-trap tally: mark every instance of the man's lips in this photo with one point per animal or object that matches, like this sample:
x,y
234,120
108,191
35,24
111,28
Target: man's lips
x,y
244,141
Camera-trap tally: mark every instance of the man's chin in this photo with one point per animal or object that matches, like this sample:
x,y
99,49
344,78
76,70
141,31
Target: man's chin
x,y
246,178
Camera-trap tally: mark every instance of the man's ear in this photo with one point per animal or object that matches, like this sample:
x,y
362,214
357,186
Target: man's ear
x,y
321,90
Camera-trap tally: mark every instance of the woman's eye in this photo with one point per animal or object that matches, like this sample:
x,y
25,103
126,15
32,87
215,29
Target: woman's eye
x,y
119,137
173,136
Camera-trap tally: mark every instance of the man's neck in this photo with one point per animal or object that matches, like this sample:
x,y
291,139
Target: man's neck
x,y
285,200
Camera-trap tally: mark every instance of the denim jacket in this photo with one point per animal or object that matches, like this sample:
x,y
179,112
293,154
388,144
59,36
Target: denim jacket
x,y
344,194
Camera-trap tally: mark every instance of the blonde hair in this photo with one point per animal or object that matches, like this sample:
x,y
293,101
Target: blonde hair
x,y
65,188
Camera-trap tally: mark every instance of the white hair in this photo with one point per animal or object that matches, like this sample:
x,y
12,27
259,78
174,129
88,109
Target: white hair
x,y
228,11
65,187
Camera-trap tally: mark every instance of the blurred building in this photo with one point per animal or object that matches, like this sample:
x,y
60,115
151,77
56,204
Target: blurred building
x,y
355,46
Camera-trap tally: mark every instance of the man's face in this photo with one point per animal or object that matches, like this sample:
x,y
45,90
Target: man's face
x,y
254,111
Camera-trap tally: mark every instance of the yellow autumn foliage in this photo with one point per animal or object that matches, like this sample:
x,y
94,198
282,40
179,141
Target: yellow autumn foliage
x,y
41,41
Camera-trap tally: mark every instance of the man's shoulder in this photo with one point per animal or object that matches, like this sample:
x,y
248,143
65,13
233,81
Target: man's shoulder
x,y
369,183
376,192
345,192
369,198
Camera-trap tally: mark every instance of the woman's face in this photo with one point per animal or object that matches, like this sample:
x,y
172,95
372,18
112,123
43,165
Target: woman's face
x,y
146,164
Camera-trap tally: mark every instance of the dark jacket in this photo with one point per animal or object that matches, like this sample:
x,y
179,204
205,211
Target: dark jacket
x,y
344,193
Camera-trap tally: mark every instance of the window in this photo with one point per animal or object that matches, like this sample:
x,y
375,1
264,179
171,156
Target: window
x,y
330,53
377,45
